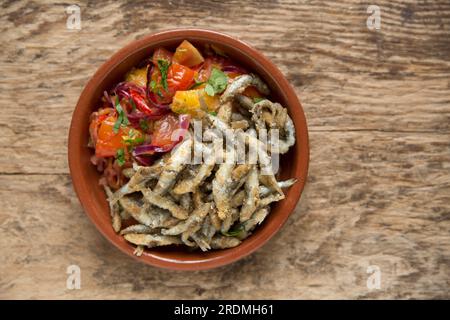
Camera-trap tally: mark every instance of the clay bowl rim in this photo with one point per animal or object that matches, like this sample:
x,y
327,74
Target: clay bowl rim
x,y
84,185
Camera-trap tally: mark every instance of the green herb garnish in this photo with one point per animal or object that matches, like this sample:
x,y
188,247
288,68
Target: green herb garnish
x,y
143,124
217,82
153,85
122,117
235,232
209,90
163,66
120,156
196,84
258,99
213,113
132,138
133,141
133,105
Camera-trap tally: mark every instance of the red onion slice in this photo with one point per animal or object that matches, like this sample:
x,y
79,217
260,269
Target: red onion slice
x,y
149,149
184,120
108,98
234,69
144,160
151,97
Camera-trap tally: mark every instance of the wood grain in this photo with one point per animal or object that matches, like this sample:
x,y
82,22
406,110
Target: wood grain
x,y
378,109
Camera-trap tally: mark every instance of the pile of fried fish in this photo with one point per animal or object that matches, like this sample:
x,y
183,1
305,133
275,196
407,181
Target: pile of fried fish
x,y
207,205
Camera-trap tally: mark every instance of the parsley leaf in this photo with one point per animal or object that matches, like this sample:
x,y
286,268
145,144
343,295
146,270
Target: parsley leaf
x,y
134,141
163,66
217,82
209,90
235,232
122,117
120,156
258,99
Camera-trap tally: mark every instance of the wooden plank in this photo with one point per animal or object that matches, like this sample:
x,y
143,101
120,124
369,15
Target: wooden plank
x,y
412,35
386,205
378,109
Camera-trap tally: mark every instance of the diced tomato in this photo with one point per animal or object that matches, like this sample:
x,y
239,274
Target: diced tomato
x,y
96,120
162,54
108,142
93,128
205,70
162,96
232,75
220,63
163,129
179,77
187,55
143,106
252,92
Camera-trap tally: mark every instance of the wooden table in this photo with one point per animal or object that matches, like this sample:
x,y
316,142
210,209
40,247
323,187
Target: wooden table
x,y
378,110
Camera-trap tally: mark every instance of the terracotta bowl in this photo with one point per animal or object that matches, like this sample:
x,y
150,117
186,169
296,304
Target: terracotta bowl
x,y
85,177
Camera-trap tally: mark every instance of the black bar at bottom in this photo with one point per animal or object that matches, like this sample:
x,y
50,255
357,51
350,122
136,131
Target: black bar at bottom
x,y
218,309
